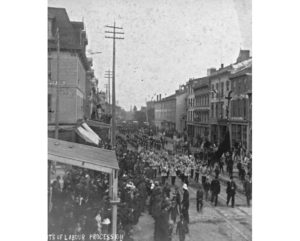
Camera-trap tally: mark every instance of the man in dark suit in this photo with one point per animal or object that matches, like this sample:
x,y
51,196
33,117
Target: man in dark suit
x,y
185,203
182,228
215,188
231,192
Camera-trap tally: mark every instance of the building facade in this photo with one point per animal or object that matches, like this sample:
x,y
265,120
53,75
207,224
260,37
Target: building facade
x,y
165,113
219,90
240,104
150,112
180,119
73,68
190,106
201,109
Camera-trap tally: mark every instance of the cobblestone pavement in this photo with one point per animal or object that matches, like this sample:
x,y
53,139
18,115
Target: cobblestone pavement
x,y
219,223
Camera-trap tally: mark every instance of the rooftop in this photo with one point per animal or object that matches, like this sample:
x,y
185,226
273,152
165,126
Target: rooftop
x,y
82,155
69,32
201,82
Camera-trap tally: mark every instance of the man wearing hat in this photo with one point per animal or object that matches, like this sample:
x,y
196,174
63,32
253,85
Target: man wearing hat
x,y
215,190
248,189
232,190
199,196
185,203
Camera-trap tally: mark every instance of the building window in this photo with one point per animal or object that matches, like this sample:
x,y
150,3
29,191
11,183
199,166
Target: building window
x,y
50,28
245,108
49,107
212,92
227,85
222,89
212,110
49,68
221,110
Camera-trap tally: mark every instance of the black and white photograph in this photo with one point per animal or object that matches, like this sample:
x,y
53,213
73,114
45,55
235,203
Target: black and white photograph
x,y
149,120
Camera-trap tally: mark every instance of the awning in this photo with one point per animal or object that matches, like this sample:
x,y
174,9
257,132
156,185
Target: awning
x,y
85,132
82,155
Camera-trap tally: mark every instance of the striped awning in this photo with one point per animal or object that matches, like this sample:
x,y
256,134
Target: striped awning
x,y
85,132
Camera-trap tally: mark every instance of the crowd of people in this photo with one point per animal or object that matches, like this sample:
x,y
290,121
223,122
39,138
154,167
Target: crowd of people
x,y
145,171
79,198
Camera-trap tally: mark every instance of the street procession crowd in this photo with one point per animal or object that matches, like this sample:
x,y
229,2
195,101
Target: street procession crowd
x,y
147,182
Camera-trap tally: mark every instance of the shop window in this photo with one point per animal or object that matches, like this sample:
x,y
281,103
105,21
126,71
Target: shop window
x,y
239,133
244,140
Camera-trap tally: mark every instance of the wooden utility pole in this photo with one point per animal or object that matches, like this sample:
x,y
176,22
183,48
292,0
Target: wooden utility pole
x,y
113,175
57,87
108,76
114,37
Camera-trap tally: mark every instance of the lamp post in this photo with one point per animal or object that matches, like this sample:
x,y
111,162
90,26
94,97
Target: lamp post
x,y
227,115
228,98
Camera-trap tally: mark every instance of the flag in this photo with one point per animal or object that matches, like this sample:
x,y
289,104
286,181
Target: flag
x,y
224,146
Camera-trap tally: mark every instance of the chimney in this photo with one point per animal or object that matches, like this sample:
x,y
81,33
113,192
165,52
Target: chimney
x,y
157,98
210,71
243,55
222,66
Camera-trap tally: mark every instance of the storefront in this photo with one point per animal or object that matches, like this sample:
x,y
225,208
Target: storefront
x,y
239,134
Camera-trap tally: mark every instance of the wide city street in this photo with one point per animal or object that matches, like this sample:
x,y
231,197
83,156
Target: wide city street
x,y
219,223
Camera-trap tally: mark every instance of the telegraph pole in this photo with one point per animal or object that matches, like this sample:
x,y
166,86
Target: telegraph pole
x,y
108,75
114,37
57,86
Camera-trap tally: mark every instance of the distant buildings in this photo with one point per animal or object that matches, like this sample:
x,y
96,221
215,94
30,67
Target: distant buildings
x,y
150,111
206,108
165,113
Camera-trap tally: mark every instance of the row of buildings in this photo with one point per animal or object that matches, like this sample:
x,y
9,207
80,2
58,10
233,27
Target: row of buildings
x,y
205,108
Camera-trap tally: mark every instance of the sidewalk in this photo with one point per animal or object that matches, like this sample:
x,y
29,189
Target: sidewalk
x,y
144,229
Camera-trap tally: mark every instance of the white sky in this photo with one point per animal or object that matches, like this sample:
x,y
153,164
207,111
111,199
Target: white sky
x,y
166,41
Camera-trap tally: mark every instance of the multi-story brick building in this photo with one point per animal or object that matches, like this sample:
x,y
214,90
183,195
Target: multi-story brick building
x,y
221,101
74,68
219,90
165,113
240,105
190,107
201,109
